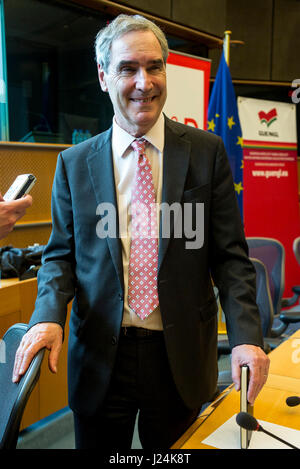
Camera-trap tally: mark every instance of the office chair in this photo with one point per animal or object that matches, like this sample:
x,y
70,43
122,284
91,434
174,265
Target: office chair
x,y
265,306
292,315
296,249
287,302
272,253
263,297
14,396
272,335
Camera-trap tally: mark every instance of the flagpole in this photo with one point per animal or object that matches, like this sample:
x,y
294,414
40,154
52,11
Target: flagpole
x,y
226,46
223,118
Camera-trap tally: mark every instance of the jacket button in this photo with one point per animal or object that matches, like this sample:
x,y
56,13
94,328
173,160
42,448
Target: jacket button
x,y
160,282
114,340
120,297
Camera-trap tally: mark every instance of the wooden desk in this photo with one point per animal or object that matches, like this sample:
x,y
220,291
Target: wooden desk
x,y
17,301
283,381
285,359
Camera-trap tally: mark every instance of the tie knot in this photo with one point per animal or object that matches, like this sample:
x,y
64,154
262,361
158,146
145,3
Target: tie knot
x,y
139,145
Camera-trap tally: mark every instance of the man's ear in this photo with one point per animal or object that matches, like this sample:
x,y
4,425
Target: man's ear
x,y
101,77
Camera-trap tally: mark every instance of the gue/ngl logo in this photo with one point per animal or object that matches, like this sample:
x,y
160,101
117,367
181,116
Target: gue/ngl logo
x,y
268,117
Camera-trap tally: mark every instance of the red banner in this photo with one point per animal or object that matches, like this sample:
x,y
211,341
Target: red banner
x,y
271,205
188,89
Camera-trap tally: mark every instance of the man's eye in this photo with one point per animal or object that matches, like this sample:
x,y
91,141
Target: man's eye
x,y
155,68
127,70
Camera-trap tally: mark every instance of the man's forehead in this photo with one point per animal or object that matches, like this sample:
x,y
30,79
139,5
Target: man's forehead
x,y
128,45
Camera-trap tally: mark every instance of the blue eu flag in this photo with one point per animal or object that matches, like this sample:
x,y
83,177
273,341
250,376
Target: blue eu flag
x,y
223,120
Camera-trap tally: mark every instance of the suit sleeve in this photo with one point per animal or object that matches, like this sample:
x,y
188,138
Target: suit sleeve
x,y
232,271
56,277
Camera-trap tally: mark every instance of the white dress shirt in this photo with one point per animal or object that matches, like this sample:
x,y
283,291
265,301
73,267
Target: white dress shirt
x,y
125,162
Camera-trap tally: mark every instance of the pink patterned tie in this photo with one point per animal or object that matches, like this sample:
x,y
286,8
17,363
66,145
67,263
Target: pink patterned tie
x,y
142,284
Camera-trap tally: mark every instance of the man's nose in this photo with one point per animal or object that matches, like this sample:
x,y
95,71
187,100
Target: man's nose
x,y
143,80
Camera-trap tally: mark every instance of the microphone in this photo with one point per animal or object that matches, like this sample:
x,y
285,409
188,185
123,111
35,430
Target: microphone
x,y
247,421
292,401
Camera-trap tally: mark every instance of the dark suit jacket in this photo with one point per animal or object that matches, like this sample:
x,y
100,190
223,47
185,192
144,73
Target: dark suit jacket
x,y
77,263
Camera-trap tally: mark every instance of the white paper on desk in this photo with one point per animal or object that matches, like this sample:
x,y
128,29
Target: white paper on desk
x,y
260,440
227,436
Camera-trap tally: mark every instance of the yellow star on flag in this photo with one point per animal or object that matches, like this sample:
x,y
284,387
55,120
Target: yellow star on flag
x,y
230,122
242,164
238,187
211,125
240,141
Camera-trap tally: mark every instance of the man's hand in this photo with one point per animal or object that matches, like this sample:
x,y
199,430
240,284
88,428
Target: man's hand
x,y
43,335
11,212
258,363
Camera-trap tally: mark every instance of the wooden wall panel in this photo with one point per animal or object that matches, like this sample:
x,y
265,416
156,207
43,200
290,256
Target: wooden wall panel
x,y
205,15
250,22
7,320
22,237
39,159
270,30
156,7
286,40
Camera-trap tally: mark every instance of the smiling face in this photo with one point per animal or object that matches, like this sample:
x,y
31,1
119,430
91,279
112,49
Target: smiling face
x,y
136,81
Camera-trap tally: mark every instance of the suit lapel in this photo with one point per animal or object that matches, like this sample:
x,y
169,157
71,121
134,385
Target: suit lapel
x,y
175,167
101,172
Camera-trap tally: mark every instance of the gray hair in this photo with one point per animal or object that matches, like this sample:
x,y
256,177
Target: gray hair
x,y
121,25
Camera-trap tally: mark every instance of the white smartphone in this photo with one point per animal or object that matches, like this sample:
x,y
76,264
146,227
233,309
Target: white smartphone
x,y
245,435
21,186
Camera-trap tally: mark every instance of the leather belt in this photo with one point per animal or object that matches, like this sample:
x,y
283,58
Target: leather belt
x,y
139,332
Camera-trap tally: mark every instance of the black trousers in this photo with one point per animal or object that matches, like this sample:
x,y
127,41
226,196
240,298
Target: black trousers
x,y
142,382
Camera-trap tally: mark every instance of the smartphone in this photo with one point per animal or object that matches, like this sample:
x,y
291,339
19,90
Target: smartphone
x,y
21,186
245,435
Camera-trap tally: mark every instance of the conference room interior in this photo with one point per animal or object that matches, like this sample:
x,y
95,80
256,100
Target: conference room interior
x,y
52,100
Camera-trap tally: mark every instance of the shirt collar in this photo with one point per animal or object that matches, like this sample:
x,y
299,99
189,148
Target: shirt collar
x,y
121,139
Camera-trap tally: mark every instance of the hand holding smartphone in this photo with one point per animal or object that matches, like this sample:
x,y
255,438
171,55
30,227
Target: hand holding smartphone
x,y
245,435
13,206
21,186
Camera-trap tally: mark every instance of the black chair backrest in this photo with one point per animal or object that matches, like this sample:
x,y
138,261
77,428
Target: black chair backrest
x,y
14,396
272,254
263,297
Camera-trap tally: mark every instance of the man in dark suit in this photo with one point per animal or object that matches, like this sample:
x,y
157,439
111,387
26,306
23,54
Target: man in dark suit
x,y
143,327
